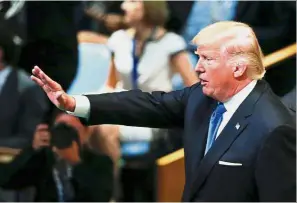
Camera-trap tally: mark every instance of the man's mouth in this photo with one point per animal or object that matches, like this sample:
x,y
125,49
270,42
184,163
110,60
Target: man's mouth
x,y
203,82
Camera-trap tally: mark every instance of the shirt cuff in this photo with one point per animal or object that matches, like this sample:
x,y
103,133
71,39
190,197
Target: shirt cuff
x,y
82,106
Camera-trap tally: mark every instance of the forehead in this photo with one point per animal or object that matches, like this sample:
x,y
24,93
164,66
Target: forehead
x,y
208,50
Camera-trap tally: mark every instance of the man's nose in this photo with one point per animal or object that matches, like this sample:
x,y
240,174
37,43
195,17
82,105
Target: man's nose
x,y
199,67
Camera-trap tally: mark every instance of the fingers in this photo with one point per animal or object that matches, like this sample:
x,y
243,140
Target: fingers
x,y
41,84
42,133
42,78
42,137
37,80
41,127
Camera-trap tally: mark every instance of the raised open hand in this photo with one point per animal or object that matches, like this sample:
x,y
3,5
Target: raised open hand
x,y
53,90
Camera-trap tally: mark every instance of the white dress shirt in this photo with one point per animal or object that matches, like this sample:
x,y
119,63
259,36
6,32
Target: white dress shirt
x,y
232,104
3,76
82,108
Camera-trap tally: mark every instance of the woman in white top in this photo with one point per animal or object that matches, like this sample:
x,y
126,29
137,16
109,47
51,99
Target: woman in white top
x,y
145,57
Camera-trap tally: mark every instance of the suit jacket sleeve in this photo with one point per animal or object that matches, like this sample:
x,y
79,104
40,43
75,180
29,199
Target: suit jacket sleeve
x,y
137,108
24,171
32,111
94,178
276,166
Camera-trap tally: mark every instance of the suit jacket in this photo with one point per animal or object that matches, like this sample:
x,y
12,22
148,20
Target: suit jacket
x,y
92,179
22,107
289,101
263,141
51,43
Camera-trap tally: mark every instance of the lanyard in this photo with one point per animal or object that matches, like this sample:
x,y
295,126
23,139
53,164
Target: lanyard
x,y
135,65
59,184
134,74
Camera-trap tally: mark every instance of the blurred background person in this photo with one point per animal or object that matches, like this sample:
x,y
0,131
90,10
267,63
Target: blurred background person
x,y
23,104
103,17
146,56
50,28
51,39
60,165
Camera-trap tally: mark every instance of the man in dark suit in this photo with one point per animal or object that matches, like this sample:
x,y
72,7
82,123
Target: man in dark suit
x,y
239,139
60,166
22,103
51,39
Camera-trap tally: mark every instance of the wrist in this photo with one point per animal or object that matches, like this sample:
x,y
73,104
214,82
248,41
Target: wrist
x,y
71,104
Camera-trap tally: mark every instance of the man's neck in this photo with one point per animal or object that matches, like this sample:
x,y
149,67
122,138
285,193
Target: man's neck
x,y
233,103
237,88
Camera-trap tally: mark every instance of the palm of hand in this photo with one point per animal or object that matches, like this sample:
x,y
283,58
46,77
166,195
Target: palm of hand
x,y
53,90
55,95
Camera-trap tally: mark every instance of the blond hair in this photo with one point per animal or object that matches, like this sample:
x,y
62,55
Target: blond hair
x,y
240,43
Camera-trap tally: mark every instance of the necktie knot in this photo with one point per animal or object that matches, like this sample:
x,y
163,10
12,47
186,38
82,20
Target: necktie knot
x,y
220,109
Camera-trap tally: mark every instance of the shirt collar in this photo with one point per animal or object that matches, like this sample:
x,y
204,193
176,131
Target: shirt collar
x,y
4,74
232,104
5,71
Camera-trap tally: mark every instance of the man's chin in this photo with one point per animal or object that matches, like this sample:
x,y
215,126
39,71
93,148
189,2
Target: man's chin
x,y
206,91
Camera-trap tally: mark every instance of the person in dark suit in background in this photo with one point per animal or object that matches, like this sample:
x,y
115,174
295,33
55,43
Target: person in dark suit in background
x,y
22,103
60,165
239,139
51,39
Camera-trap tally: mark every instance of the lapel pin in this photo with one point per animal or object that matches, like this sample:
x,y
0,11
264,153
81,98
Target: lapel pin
x,y
237,126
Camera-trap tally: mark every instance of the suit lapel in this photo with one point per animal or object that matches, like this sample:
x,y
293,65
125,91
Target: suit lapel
x,y
196,143
233,129
201,133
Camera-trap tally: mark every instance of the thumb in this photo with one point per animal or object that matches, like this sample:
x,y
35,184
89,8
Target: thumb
x,y
59,96
65,101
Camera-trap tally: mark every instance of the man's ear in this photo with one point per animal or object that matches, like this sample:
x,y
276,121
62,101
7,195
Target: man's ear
x,y
239,69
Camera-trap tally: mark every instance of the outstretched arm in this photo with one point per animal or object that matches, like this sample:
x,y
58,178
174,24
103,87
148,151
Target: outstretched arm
x,y
134,108
137,108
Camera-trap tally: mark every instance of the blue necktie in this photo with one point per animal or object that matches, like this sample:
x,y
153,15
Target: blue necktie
x,y
215,121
